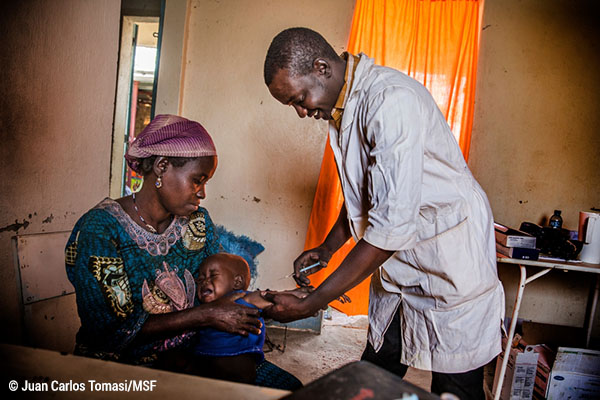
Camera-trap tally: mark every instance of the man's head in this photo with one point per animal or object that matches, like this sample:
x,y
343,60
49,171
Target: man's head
x,y
220,274
302,70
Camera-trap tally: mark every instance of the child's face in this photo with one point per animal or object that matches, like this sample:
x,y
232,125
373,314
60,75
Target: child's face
x,y
214,281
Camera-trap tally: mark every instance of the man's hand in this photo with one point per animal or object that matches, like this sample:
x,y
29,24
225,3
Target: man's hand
x,y
318,255
286,307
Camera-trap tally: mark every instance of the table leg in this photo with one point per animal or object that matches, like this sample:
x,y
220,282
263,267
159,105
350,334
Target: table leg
x,y
589,320
511,331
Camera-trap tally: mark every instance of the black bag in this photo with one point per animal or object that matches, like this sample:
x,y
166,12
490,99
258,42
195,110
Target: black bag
x,y
554,242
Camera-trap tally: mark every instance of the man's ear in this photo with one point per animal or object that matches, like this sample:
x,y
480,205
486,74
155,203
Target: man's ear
x,y
238,282
322,67
160,165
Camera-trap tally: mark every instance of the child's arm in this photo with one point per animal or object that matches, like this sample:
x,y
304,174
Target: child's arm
x,y
301,292
256,299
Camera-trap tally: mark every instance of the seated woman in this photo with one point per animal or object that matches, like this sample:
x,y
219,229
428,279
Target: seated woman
x,y
132,260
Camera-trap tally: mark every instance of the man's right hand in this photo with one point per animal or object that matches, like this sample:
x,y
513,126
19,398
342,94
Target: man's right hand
x,y
319,255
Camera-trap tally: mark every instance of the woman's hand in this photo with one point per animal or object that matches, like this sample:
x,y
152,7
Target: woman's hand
x,y
320,255
226,315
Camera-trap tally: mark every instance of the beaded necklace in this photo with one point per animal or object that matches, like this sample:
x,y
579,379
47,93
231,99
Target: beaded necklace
x,y
148,226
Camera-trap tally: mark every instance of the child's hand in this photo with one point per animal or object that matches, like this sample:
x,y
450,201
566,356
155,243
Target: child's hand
x,y
256,299
259,301
286,306
344,299
306,290
301,292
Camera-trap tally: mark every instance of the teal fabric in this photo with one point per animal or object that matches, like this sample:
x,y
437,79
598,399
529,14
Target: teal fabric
x,y
116,268
270,375
108,259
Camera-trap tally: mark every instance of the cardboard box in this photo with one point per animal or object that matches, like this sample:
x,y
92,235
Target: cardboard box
x,y
544,367
575,375
519,378
510,237
518,252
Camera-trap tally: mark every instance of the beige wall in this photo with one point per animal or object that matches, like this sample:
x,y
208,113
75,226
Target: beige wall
x,y
536,132
535,137
269,159
57,86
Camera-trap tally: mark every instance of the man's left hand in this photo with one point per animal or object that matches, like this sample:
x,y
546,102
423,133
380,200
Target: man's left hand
x,y
286,307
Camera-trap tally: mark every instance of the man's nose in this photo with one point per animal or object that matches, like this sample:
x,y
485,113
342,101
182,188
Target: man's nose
x,y
302,112
201,194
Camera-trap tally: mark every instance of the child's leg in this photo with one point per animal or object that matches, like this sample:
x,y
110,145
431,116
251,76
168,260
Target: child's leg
x,y
176,360
241,368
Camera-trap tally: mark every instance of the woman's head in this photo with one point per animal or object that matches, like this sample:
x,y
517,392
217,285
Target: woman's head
x,y
178,156
182,188
170,136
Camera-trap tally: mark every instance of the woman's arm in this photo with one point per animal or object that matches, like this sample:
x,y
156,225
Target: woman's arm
x,y
109,312
223,314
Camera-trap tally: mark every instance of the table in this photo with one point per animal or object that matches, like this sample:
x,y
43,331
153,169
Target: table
x,y
20,363
547,265
360,380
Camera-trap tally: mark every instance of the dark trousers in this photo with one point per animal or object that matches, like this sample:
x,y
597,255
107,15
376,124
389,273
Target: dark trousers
x,y
467,385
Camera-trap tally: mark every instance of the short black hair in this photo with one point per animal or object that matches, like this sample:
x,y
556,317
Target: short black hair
x,y
296,49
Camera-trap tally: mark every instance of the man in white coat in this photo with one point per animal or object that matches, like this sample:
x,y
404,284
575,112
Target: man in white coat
x,y
422,224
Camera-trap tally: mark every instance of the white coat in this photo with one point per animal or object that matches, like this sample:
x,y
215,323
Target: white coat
x,y
407,188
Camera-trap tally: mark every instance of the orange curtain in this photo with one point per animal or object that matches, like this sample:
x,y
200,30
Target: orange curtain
x,y
435,42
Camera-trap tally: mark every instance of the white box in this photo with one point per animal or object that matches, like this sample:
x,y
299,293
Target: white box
x,y
575,375
510,237
519,378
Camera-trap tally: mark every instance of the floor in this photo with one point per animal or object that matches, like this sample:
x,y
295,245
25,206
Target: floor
x,y
309,355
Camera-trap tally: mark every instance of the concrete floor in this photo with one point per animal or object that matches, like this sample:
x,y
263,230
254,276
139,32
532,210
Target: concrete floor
x,y
309,355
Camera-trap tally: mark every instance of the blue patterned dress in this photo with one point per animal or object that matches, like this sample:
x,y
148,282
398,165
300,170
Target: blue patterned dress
x,y
123,273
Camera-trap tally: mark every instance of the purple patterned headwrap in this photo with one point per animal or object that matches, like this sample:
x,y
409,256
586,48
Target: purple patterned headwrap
x,y
170,136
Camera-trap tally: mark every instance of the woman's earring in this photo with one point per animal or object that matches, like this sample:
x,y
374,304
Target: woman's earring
x,y
158,182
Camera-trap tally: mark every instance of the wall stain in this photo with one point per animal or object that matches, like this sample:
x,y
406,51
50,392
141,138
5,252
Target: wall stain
x,y
16,226
256,199
48,220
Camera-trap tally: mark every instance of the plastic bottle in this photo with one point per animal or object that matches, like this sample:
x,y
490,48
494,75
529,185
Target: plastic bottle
x,y
556,220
